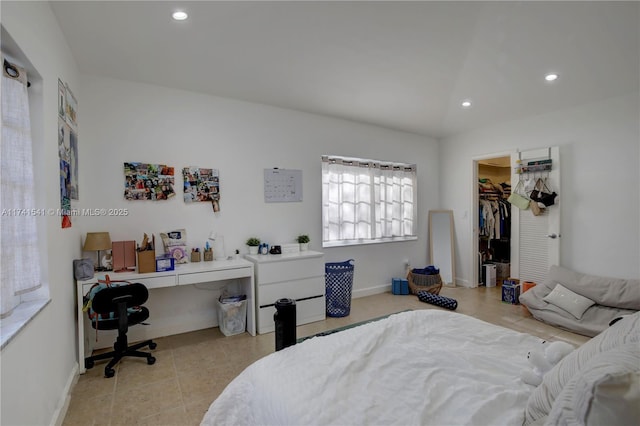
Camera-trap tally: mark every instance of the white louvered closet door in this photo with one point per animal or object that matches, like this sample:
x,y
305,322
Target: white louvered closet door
x,y
535,240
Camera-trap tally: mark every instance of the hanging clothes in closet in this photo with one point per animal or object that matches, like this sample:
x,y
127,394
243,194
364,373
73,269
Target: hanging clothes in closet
x,y
494,220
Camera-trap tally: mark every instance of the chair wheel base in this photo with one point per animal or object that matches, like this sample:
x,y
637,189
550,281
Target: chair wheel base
x,y
151,360
109,372
153,345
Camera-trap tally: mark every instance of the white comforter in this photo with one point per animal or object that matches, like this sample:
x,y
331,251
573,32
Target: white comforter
x,y
426,367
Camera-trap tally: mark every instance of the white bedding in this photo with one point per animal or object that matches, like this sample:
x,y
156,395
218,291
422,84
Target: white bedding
x,y
426,367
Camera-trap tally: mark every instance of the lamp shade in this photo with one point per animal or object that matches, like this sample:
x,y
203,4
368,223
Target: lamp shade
x,y
97,241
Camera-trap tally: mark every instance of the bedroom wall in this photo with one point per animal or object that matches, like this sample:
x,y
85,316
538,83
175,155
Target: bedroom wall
x,y
599,151
126,121
39,364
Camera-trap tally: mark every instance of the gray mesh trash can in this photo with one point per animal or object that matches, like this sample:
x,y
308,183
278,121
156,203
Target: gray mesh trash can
x,y
338,283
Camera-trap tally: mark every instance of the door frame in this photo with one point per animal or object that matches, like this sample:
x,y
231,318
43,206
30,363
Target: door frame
x,y
473,216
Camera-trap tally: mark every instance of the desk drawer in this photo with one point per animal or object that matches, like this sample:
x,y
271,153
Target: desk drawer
x,y
209,276
290,270
156,282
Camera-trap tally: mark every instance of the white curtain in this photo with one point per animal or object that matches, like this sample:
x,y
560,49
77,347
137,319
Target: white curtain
x,y
19,257
395,201
367,200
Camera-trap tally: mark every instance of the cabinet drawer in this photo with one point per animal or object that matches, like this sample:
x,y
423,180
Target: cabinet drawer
x,y
306,311
209,276
290,270
299,289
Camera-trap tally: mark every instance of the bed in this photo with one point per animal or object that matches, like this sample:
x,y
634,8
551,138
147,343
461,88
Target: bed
x,y
426,367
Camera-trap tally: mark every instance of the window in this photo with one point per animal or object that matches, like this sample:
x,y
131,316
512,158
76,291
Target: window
x,y
367,201
22,291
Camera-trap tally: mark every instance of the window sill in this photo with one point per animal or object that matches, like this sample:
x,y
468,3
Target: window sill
x,y
19,318
327,244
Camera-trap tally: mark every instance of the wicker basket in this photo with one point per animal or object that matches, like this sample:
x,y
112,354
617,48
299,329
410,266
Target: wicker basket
x,y
420,282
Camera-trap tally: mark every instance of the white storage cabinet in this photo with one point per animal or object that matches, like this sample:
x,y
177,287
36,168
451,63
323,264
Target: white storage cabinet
x,y
298,276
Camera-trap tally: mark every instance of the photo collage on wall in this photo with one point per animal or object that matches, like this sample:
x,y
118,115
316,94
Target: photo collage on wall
x,y
67,150
148,181
202,185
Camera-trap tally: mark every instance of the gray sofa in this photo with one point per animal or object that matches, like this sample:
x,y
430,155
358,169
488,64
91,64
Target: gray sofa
x,y
613,298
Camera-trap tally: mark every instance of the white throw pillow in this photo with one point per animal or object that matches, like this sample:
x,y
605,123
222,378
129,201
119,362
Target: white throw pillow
x,y
566,299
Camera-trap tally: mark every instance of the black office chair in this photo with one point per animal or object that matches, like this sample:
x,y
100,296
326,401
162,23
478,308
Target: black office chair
x,y
116,300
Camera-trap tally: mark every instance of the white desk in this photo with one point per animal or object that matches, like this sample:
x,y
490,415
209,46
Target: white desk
x,y
183,275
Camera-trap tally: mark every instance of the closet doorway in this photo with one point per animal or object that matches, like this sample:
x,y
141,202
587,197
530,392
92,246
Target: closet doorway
x,y
492,220
534,240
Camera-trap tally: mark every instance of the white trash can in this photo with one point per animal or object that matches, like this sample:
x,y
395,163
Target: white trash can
x,y
232,317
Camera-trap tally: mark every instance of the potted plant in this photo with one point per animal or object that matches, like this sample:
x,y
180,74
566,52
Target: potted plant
x,y
303,240
253,244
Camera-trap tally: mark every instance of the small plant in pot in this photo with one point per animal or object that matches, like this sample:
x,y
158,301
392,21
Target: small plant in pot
x,y
253,244
303,240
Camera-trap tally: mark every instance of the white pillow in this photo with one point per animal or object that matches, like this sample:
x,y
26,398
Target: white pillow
x,y
541,400
566,299
606,391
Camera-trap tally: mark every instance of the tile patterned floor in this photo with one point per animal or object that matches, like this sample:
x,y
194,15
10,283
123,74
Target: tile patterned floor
x,y
193,368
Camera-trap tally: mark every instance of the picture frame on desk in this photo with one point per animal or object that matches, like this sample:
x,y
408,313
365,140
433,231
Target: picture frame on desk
x,y
165,263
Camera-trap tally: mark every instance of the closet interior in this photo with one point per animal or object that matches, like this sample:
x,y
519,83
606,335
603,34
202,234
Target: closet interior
x,y
494,219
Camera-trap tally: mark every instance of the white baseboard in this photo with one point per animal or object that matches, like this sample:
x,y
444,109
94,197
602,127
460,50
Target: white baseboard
x,y
369,291
65,398
464,283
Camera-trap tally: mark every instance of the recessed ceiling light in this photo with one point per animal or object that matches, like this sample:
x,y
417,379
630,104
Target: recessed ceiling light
x,y
180,15
551,77
466,104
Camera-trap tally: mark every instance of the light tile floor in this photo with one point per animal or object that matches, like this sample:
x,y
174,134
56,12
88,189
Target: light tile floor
x,y
193,368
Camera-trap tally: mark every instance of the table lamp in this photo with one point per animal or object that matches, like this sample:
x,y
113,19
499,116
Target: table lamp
x,y
97,241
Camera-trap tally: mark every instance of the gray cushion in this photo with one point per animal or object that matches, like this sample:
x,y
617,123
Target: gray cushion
x,y
599,289
614,292
568,300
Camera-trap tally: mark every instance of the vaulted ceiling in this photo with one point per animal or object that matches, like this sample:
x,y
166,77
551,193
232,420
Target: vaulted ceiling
x,y
401,65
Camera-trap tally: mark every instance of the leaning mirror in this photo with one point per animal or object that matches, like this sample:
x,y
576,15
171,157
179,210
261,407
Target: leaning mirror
x,y
441,244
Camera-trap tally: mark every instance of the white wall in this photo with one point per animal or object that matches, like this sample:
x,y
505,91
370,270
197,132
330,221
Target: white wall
x,y
38,365
125,121
599,151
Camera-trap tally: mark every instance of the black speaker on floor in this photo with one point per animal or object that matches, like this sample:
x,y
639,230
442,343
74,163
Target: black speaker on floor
x,y
285,319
